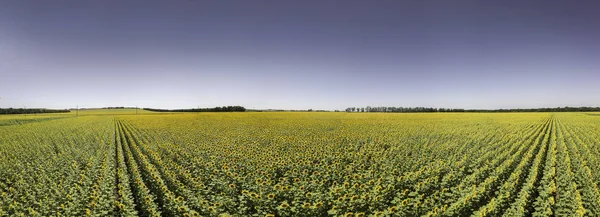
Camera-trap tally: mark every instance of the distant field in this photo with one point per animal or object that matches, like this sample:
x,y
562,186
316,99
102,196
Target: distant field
x,y
116,163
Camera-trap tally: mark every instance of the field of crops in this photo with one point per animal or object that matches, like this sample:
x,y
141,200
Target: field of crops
x,y
300,164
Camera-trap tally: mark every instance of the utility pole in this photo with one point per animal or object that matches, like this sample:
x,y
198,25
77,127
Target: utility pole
x,y
77,111
136,110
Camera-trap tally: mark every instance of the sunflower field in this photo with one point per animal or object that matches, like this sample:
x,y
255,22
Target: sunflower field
x,y
300,164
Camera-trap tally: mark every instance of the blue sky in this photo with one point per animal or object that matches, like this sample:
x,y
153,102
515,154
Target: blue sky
x,y
299,54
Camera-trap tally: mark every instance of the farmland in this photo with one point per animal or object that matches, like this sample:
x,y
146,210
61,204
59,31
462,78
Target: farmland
x,y
116,163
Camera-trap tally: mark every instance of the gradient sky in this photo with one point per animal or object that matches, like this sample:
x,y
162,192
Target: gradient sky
x,y
299,54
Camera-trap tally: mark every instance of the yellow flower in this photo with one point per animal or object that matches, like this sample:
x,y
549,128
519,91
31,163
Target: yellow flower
x,y
270,215
319,204
306,205
308,194
284,205
271,196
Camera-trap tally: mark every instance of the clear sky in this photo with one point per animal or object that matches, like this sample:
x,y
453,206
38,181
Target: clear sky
x,y
299,54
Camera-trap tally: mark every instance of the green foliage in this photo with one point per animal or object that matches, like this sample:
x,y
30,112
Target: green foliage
x,y
301,164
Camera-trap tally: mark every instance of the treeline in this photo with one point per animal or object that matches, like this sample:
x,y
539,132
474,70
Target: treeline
x,y
215,109
119,107
5,111
426,109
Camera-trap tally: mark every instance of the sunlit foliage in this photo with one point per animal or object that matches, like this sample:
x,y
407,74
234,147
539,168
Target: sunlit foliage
x,y
300,164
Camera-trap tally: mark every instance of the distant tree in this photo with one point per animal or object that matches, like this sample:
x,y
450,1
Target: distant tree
x,y
430,109
215,109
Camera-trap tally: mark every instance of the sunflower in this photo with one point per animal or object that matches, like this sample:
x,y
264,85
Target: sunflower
x,y
318,204
284,205
306,205
349,214
360,214
308,194
270,215
211,209
271,196
366,196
